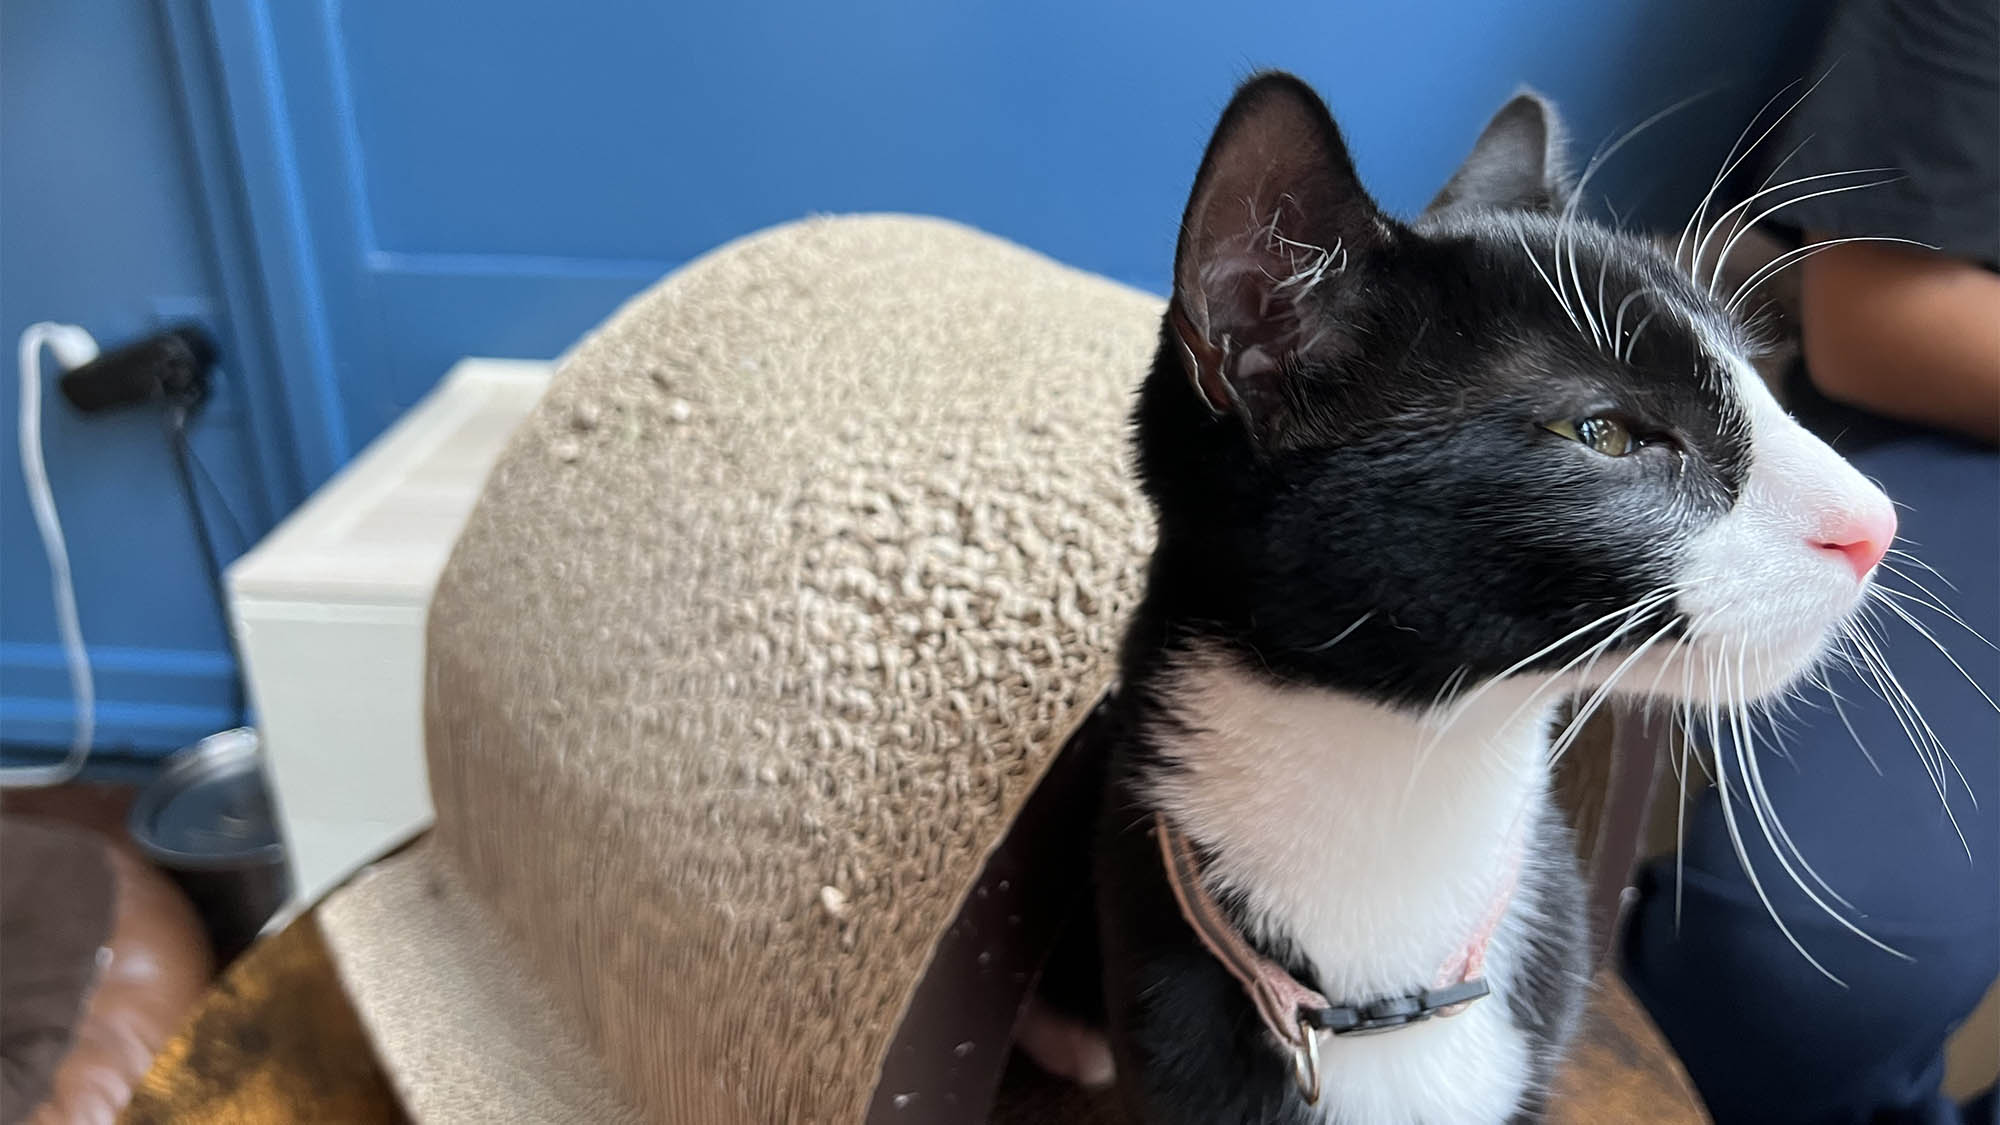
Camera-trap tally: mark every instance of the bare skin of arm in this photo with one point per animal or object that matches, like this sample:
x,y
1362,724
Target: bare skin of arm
x,y
1905,333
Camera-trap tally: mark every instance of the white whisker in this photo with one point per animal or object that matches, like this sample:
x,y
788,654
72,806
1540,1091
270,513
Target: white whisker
x,y
1732,159
1701,248
1907,577
1343,634
1875,666
1746,760
1729,246
1582,303
1447,690
1618,329
1603,691
1931,602
1566,224
1598,159
1680,816
1930,749
1737,223
1631,613
1743,853
1913,560
1926,634
1793,257
1935,608
1546,280
1634,341
1603,261
1856,735
1653,598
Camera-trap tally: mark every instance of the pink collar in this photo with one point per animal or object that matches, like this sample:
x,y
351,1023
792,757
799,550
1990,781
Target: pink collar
x,y
1294,1013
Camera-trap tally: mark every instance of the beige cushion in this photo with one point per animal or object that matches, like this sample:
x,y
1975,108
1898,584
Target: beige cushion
x,y
768,621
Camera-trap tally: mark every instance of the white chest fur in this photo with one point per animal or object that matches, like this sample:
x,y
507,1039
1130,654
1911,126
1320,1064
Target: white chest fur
x,y
1376,843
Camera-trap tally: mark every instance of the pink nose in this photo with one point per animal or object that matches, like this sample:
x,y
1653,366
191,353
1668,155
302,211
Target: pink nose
x,y
1861,537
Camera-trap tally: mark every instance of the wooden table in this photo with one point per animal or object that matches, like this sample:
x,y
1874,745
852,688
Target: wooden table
x,y
276,1042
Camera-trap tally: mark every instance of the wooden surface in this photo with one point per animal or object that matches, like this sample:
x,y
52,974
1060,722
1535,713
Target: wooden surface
x,y
1620,1067
276,1043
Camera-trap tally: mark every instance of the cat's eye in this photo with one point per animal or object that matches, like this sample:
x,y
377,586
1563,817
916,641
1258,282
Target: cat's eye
x,y
1605,435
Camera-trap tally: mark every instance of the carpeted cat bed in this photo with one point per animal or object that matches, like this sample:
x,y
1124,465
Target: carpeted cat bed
x,y
767,626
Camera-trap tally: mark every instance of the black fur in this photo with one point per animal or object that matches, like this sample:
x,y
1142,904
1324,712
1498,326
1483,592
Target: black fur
x,y
1361,436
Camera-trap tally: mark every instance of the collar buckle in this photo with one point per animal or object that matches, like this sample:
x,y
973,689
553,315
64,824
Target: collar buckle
x,y
1392,1012
1293,1013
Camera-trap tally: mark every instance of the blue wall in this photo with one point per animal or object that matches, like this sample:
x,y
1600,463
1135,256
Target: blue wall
x,y
103,222
358,193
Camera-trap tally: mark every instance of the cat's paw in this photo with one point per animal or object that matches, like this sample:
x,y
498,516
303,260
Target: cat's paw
x,y
1065,1047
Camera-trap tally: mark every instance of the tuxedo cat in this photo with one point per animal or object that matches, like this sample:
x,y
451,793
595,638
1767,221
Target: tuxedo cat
x,y
1417,483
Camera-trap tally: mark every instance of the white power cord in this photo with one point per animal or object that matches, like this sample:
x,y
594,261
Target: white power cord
x,y
72,348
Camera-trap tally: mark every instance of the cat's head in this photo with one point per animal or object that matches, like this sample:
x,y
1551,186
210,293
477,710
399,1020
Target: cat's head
x,y
1389,456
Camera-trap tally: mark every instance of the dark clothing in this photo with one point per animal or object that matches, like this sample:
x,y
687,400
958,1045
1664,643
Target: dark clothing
x,y
1766,1038
1914,86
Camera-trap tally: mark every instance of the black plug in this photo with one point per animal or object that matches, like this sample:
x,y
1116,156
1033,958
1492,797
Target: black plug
x,y
172,365
172,368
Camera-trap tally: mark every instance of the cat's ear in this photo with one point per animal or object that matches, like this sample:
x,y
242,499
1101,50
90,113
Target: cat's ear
x,y
1276,219
1516,164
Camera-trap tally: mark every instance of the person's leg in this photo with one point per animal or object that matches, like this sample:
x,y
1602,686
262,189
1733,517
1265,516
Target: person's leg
x,y
1766,1037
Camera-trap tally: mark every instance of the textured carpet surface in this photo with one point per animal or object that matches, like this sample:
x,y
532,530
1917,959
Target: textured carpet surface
x,y
768,621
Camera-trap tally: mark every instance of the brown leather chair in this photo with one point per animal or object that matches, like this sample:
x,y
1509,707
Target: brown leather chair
x,y
103,959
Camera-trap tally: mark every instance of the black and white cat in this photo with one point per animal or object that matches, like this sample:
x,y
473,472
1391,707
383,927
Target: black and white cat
x,y
1416,483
